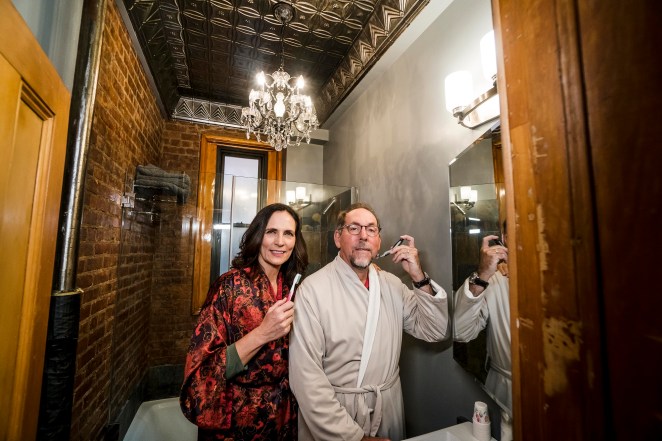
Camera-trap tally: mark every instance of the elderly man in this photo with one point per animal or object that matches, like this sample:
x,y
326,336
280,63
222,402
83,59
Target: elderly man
x,y
347,333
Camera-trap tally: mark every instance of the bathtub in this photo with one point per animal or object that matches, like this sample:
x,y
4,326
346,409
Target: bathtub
x,y
161,420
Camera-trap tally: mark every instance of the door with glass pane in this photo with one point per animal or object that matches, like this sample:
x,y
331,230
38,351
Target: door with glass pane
x,y
238,196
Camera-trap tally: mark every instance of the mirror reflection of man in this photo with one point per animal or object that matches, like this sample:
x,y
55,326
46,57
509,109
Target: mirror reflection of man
x,y
483,301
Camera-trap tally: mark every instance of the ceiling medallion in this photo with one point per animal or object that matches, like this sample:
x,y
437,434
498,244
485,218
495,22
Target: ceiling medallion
x,y
278,109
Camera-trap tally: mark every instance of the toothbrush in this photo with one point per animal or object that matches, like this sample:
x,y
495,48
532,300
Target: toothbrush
x,y
294,284
387,252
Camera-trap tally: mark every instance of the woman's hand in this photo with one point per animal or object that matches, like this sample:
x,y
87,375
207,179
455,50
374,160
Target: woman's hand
x,y
278,321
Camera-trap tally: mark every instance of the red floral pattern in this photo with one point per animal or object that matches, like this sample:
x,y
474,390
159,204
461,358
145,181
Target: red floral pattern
x,y
257,404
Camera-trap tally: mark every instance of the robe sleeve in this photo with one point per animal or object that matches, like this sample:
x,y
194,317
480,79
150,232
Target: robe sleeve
x,y
319,407
233,366
425,316
206,396
471,313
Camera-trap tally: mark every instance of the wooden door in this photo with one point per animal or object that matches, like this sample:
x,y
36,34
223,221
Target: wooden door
x,y
580,85
34,109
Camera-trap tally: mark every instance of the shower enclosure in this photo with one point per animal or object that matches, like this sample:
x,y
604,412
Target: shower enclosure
x,y
172,246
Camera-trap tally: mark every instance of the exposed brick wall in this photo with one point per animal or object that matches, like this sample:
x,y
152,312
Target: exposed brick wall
x,y
136,270
126,131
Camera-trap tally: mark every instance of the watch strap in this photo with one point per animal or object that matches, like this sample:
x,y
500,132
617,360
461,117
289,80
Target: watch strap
x,y
422,283
475,280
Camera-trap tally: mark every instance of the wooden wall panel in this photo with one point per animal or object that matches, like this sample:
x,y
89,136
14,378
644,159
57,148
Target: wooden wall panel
x,y
33,132
557,365
621,47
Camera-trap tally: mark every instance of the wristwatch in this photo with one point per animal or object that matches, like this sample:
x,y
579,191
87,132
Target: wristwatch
x,y
475,280
422,283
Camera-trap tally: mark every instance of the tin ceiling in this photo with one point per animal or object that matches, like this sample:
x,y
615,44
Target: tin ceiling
x,y
204,54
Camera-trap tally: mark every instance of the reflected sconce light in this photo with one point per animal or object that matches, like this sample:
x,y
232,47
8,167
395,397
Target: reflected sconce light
x,y
298,198
467,200
471,111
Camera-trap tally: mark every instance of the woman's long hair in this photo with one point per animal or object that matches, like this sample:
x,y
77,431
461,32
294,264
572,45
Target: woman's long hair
x,y
251,242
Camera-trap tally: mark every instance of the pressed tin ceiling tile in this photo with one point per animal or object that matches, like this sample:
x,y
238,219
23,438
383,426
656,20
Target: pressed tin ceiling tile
x,y
210,50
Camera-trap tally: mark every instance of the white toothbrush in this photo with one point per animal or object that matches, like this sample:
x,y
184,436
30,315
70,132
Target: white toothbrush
x,y
294,284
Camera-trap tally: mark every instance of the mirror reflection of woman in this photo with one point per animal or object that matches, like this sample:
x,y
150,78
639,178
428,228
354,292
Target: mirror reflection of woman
x,y
236,373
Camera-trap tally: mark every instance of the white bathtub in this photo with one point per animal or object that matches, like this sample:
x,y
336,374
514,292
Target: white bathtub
x,y
161,420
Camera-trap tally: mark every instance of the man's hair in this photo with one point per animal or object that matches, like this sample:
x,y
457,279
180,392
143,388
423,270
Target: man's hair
x,y
340,221
251,242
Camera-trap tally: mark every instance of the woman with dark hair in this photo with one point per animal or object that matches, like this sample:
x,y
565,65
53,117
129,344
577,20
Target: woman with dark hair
x,y
236,375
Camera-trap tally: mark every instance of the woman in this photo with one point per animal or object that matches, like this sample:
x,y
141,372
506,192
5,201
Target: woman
x,y
236,377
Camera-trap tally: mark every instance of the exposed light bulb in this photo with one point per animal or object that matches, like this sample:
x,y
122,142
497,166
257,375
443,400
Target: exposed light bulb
x,y
459,89
279,107
488,55
301,193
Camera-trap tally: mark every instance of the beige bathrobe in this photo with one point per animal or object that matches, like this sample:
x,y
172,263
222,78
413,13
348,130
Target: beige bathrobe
x,y
490,308
326,344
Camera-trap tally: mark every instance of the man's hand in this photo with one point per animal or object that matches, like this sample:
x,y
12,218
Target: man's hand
x,y
407,255
490,257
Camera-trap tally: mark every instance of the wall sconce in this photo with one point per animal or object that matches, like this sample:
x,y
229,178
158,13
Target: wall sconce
x,y
459,90
467,200
298,199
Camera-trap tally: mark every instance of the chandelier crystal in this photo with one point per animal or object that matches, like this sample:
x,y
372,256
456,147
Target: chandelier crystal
x,y
278,109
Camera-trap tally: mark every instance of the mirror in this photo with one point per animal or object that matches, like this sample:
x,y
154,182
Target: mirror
x,y
477,209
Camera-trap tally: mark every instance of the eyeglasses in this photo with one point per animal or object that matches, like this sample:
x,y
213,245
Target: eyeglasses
x,y
355,229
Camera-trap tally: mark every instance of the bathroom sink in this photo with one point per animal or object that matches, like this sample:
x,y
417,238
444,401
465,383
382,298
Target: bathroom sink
x,y
459,432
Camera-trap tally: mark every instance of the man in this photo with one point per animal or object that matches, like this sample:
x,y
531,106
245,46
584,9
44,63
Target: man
x,y
483,300
347,333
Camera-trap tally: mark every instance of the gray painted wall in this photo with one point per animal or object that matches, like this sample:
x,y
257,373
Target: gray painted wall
x,y
394,143
304,163
55,24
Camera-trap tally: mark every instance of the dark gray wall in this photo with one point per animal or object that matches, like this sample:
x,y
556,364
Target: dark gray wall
x,y
55,24
394,143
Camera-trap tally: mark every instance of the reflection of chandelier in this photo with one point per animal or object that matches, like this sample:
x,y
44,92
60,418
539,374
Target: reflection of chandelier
x,y
278,109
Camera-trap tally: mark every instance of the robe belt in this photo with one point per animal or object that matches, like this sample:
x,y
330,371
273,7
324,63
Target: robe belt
x,y
369,425
501,370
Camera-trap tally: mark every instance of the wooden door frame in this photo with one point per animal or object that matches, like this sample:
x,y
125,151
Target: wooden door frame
x,y
44,94
554,290
205,201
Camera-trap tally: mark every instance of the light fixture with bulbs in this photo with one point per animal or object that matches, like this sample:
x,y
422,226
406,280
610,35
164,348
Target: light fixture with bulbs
x,y
467,200
474,112
278,109
298,198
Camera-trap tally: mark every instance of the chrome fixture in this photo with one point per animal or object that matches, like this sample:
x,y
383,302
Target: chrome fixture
x,y
278,109
333,201
459,90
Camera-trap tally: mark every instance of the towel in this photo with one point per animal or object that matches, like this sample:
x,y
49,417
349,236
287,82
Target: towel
x,y
151,180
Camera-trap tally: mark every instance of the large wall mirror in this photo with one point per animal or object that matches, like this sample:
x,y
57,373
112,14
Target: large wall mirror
x,y
477,209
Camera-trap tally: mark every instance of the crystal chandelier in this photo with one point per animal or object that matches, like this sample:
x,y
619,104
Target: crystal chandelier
x,y
278,109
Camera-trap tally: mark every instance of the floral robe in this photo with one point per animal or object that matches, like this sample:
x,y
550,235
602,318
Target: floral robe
x,y
256,404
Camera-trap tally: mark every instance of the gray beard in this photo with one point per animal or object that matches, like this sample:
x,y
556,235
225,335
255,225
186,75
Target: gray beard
x,y
356,264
